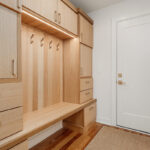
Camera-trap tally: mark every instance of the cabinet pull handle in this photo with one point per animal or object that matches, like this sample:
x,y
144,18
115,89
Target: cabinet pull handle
x,y
59,18
87,82
87,93
55,16
91,108
31,39
13,67
42,42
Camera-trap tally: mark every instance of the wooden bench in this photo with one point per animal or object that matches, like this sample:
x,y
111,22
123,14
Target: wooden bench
x,y
36,121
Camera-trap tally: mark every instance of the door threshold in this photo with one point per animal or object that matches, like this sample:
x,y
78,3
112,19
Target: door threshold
x,y
133,130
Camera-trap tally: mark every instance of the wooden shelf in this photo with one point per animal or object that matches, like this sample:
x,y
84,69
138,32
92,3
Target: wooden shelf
x,y
36,121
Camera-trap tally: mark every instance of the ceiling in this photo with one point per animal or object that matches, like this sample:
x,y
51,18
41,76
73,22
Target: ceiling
x,y
92,5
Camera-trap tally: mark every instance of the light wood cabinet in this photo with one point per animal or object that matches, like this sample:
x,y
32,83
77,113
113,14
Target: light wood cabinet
x,y
86,96
67,18
77,64
10,122
9,42
85,61
45,8
90,114
21,146
13,4
86,83
84,119
55,11
86,31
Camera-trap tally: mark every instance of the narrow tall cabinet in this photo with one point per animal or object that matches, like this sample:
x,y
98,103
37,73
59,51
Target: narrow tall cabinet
x,y
11,115
78,80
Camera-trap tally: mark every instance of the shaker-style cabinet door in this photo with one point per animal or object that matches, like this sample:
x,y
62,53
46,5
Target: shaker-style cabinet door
x,y
45,8
86,31
14,4
85,61
67,18
9,43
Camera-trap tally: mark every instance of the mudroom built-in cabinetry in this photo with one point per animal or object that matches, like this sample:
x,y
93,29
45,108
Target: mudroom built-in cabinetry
x,y
45,69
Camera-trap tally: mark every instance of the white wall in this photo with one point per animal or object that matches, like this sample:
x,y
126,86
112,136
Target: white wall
x,y
102,58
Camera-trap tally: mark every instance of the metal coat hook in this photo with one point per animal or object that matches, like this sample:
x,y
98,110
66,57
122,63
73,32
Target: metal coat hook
x,y
31,38
42,41
50,44
58,46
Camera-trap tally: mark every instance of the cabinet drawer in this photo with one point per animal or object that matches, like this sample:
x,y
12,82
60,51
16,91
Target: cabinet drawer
x,y
86,84
90,114
10,96
21,146
10,122
86,95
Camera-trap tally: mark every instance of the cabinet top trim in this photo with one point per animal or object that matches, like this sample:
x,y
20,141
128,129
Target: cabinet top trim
x,y
69,4
80,11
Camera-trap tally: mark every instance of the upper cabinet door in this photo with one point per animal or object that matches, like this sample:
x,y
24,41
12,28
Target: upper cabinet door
x,y
14,4
67,18
86,31
45,8
8,43
49,9
85,61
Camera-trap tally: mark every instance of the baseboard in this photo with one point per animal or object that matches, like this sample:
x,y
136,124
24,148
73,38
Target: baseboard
x,y
104,121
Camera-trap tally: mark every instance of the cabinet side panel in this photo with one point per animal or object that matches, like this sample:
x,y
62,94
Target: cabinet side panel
x,y
71,71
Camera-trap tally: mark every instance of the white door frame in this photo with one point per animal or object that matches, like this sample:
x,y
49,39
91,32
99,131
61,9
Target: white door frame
x,y
114,63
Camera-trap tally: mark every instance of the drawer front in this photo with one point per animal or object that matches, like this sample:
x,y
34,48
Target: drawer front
x,y
86,84
90,114
86,95
11,121
10,96
21,146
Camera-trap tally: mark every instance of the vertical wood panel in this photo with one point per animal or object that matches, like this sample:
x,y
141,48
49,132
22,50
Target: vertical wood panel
x,y
27,67
71,71
42,69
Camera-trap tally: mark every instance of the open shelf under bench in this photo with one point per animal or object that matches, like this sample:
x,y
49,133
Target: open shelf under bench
x,y
35,122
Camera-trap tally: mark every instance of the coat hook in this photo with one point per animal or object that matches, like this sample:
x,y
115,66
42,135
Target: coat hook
x,y
58,46
42,41
50,44
31,38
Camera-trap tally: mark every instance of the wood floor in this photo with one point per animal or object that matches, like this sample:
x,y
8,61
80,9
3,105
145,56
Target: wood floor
x,y
68,139
72,139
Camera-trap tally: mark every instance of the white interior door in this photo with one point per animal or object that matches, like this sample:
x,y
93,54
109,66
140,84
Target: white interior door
x,y
133,68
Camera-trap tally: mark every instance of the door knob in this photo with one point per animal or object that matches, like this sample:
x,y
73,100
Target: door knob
x,y
120,75
120,82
